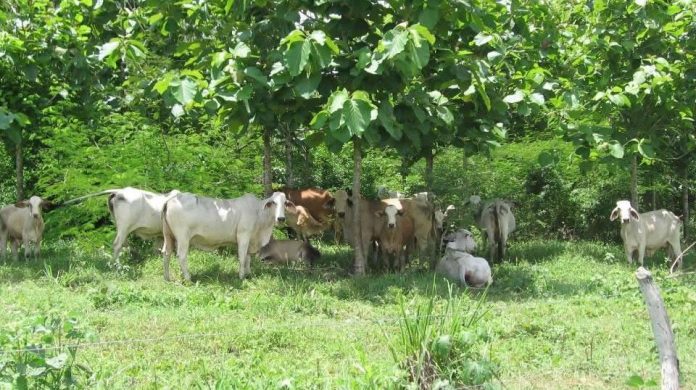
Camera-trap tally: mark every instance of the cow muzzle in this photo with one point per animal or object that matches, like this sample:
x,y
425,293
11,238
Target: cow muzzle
x,y
627,220
281,219
391,226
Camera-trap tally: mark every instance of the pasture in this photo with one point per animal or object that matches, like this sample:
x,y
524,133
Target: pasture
x,y
558,315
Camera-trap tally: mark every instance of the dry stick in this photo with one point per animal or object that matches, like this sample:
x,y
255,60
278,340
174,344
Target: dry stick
x,y
662,329
679,258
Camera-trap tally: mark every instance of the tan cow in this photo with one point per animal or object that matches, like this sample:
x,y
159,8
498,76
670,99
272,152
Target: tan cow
x,y
22,223
279,251
304,224
421,212
369,229
395,234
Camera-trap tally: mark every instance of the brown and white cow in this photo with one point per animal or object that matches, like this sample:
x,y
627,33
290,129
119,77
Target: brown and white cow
x,y
395,234
209,223
22,223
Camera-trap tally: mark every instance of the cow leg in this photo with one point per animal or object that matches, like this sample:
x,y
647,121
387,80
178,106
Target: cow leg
x,y
121,236
15,249
641,254
3,245
37,249
675,248
167,250
182,253
242,255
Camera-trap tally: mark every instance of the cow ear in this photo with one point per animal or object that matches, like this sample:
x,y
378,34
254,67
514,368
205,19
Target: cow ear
x,y
330,203
22,204
634,214
290,207
349,191
400,212
46,205
614,214
379,213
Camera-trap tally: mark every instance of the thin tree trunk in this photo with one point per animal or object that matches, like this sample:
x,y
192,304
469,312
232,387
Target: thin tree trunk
x,y
429,157
289,179
634,182
685,200
654,194
19,165
662,329
267,168
359,264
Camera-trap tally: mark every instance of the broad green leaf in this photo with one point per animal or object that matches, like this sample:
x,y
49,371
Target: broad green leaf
x,y
364,57
228,6
294,36
6,119
445,114
357,114
641,3
184,91
297,56
482,38
22,119
241,50
635,381
336,100
58,361
163,84
107,49
177,110
429,17
515,97
361,95
319,119
420,55
620,100
394,42
306,87
219,58
646,150
319,36
422,32
616,149
155,18
413,135
388,120
321,55
256,74
537,98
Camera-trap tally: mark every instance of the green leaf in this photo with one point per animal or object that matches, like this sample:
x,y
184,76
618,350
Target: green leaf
x,y
319,120
57,362
357,114
482,38
321,55
616,149
537,98
429,17
5,119
297,56
424,32
108,49
388,120
635,381
256,74
420,55
394,42
620,100
641,3
178,110
228,6
646,150
241,50
307,86
336,100
294,36
516,97
445,115
319,36
184,90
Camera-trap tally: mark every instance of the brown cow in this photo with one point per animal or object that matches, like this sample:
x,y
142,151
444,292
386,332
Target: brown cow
x,y
319,203
304,224
422,215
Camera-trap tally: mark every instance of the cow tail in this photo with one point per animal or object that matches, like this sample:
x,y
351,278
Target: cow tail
x,y
167,233
110,202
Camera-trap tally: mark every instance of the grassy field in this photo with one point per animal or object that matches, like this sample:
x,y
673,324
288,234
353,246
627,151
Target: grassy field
x,y
559,315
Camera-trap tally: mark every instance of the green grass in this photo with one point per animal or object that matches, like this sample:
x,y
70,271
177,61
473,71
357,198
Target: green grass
x,y
558,315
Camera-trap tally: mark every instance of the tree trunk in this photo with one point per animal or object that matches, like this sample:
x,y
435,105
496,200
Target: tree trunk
x,y
19,164
685,200
359,264
429,157
662,329
289,179
267,168
654,194
634,182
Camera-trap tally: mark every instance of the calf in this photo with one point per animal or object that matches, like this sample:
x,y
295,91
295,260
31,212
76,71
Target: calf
x,y
23,223
648,231
278,251
304,224
207,223
458,264
394,233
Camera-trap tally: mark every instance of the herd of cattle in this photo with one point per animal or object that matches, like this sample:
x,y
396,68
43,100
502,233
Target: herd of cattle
x,y
392,228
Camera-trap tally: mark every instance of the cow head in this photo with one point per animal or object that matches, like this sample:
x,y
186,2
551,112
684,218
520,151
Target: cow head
x,y
35,204
625,211
341,202
390,212
461,240
440,216
278,202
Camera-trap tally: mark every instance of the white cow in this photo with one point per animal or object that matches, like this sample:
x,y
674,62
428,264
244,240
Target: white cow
x,y
459,264
496,219
208,223
648,231
134,211
22,223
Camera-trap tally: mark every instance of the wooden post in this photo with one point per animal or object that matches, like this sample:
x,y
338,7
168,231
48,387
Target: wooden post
x,y
662,330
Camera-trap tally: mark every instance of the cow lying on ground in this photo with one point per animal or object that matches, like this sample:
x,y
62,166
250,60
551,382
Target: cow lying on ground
x,y
22,223
496,220
460,265
208,223
395,231
134,211
648,231
285,251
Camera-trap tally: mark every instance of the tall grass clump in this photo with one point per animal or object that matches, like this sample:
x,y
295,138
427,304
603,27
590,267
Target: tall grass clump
x,y
440,346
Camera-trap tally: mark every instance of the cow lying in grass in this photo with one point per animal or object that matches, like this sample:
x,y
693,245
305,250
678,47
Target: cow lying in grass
x,y
460,265
279,251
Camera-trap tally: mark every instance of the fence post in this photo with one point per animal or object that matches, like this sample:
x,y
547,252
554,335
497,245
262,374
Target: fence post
x,y
662,329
